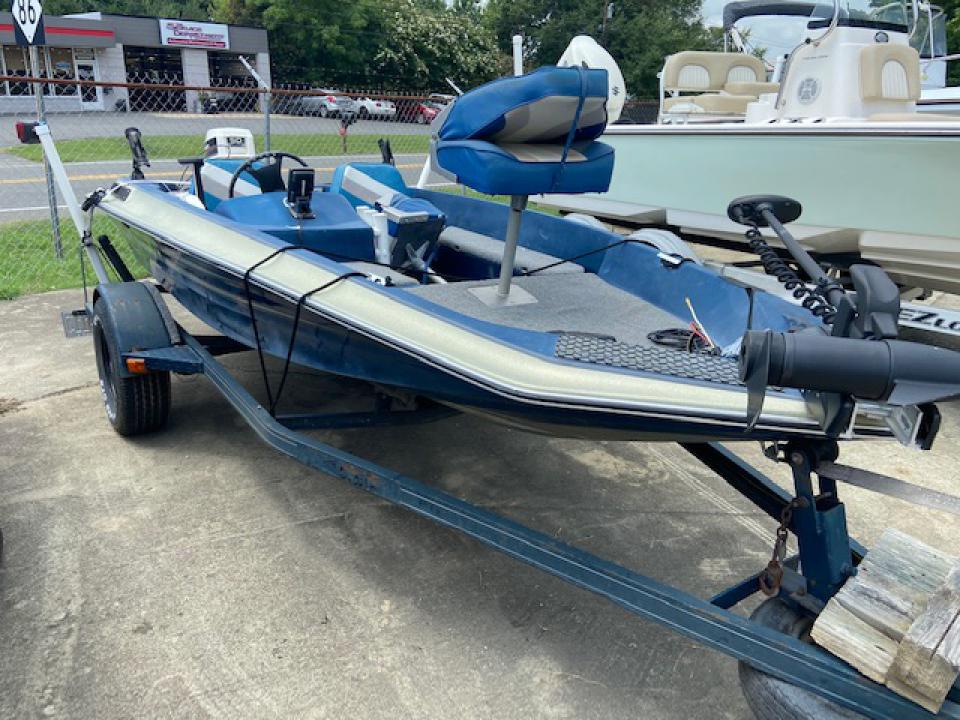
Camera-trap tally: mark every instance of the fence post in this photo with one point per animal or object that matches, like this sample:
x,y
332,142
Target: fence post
x,y
51,190
266,102
266,121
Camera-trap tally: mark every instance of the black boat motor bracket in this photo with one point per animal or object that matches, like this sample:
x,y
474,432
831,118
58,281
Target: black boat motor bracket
x,y
854,361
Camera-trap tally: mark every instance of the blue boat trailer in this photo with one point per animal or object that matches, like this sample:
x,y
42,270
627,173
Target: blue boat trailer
x,y
827,556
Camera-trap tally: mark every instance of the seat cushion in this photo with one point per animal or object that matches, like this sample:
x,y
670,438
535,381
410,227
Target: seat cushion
x,y
529,134
217,174
538,107
724,104
751,88
527,169
387,175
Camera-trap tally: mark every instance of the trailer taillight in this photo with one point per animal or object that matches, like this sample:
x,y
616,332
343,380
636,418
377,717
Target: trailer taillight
x,y
27,133
138,366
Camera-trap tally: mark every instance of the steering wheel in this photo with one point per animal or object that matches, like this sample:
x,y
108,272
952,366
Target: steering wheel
x,y
270,177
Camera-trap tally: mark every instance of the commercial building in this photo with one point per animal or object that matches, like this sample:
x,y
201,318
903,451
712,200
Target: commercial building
x,y
126,49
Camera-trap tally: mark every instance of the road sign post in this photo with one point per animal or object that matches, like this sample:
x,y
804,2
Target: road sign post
x,y
28,29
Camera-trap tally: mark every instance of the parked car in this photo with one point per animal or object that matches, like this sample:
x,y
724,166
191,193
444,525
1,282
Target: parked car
x,y
370,107
225,101
328,103
426,111
441,98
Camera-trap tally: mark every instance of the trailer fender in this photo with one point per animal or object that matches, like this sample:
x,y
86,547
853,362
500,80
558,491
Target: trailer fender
x,y
138,317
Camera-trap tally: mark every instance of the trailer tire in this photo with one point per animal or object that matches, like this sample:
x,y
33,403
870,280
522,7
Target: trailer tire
x,y
773,699
134,405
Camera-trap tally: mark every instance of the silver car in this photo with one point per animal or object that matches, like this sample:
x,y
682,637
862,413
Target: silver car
x,y
328,103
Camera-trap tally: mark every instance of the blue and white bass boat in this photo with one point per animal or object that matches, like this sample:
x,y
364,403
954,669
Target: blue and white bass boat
x,y
539,322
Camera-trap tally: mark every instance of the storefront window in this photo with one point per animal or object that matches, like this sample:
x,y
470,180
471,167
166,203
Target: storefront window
x,y
226,70
61,62
15,64
155,66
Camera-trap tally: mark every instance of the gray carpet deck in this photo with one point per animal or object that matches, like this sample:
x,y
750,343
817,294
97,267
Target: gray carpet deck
x,y
572,303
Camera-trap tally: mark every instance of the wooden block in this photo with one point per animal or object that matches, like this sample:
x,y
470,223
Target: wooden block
x,y
898,620
851,639
909,562
928,658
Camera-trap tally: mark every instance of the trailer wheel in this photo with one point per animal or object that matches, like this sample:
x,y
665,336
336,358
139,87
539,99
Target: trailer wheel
x,y
134,405
772,699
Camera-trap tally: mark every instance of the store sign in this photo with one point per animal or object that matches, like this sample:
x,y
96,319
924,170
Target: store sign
x,y
186,33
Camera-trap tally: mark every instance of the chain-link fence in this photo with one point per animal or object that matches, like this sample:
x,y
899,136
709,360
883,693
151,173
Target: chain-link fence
x,y
324,126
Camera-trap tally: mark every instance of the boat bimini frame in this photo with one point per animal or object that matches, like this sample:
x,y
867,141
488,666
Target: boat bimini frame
x,y
133,315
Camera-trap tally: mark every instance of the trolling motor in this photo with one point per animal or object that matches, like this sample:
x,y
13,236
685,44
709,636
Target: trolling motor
x,y
140,159
855,355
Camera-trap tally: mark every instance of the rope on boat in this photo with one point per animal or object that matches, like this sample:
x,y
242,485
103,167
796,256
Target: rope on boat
x,y
271,400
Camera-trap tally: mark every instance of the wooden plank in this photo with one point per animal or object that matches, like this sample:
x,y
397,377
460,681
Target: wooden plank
x,y
851,639
898,620
928,658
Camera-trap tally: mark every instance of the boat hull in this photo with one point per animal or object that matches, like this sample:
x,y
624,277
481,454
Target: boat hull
x,y
217,297
882,192
391,337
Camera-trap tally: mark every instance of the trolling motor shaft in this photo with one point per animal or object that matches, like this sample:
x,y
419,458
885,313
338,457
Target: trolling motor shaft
x,y
857,356
894,371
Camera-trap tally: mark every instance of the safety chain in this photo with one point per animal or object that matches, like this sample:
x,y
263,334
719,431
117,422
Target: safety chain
x,y
772,576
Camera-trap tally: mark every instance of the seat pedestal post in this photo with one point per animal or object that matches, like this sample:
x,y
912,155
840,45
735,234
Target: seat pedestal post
x,y
517,205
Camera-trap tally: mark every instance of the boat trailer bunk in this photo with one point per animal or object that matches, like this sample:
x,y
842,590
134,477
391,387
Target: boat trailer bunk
x,y
132,315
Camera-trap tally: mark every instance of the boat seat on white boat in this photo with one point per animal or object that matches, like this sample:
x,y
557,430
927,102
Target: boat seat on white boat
x,y
487,252
531,134
712,103
702,71
754,89
889,73
725,82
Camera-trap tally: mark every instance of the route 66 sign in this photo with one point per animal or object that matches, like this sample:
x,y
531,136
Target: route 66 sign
x,y
28,22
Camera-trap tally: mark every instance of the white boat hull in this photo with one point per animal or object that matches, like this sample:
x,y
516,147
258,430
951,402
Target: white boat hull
x,y
882,190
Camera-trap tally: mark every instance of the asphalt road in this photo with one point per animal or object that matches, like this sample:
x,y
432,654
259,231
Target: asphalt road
x,y
197,573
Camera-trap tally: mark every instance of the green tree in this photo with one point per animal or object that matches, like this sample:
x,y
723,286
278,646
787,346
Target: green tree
x,y
952,10
638,33
187,9
409,44
307,36
426,47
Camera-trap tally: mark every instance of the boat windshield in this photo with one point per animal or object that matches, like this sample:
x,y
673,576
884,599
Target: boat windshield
x,y
930,36
866,13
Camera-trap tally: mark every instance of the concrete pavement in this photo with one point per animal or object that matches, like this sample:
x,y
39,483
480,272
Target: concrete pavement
x,y
197,573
